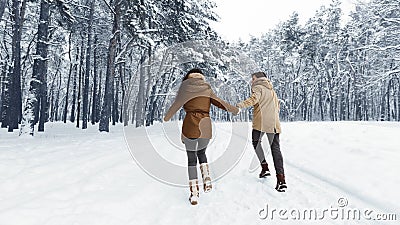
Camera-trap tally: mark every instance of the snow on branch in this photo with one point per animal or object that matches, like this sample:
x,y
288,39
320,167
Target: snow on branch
x,y
34,57
109,7
379,48
147,39
382,77
147,31
392,20
121,55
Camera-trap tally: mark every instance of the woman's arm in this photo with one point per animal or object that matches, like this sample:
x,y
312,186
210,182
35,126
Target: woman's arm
x,y
254,98
222,104
176,105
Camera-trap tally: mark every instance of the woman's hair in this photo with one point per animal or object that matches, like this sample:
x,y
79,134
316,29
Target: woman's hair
x,y
259,74
192,71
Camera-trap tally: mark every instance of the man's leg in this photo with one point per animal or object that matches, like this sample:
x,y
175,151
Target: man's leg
x,y
278,162
256,136
276,152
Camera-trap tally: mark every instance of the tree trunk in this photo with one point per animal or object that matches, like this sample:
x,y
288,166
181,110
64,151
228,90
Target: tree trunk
x,y
388,99
78,113
69,78
116,100
305,105
4,86
54,85
321,106
348,99
51,102
5,97
94,96
149,80
365,107
75,86
98,102
37,90
398,99
15,112
109,85
2,7
57,102
87,72
140,102
122,79
357,99
382,105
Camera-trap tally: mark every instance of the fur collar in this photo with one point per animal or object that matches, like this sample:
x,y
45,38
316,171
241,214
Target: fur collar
x,y
196,75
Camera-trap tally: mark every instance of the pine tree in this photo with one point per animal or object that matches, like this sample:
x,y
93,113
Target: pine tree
x,y
2,7
36,108
87,70
112,51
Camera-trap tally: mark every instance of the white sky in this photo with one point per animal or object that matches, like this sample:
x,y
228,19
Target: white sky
x,y
242,18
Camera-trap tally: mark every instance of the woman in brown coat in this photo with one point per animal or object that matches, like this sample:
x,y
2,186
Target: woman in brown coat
x,y
196,97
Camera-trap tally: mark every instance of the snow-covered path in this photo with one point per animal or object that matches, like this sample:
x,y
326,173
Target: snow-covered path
x,y
70,176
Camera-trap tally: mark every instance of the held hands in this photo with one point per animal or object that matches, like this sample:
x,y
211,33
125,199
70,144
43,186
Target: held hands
x,y
240,106
237,111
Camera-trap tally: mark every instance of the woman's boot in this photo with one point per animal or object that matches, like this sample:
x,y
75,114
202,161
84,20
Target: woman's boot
x,y
194,191
205,173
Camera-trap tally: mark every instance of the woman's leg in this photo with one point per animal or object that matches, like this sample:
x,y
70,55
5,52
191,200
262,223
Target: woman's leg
x,y
204,168
201,152
191,145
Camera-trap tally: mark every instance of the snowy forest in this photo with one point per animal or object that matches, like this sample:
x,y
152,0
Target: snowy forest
x,y
77,61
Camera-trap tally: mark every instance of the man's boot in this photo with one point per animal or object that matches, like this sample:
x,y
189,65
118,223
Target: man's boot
x,y
281,183
264,170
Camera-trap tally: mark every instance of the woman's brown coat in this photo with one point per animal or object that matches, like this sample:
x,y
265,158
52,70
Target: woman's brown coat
x,y
196,97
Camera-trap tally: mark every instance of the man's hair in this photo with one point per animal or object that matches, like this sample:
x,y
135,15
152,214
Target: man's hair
x,y
259,74
195,70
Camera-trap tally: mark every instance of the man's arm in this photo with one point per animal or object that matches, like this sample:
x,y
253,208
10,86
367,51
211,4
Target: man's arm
x,y
254,98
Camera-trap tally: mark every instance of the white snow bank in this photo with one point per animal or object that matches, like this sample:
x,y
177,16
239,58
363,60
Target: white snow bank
x,y
69,176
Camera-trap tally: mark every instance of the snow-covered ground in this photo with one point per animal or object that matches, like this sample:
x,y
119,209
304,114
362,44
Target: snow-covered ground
x,y
69,176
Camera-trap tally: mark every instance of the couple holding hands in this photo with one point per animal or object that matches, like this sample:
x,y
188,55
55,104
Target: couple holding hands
x,y
196,96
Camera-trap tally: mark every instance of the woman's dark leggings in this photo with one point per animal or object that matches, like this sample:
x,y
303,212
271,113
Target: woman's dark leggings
x,y
273,140
195,149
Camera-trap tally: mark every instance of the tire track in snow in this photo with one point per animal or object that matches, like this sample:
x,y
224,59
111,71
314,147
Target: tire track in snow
x,y
333,184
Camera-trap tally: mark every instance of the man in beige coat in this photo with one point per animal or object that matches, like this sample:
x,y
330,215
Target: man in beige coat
x,y
266,120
